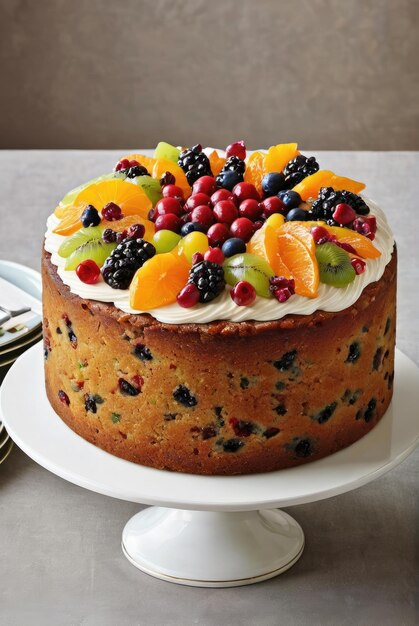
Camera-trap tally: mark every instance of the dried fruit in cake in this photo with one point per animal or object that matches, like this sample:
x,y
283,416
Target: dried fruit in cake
x,y
278,156
161,166
208,278
250,268
125,260
334,265
299,168
328,199
158,281
86,244
194,163
166,151
301,263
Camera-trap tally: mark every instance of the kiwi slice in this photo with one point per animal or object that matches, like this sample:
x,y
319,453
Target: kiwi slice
x,y
72,194
151,186
166,151
87,243
251,268
334,265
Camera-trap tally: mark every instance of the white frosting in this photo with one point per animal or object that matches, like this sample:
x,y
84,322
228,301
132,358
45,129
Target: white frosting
x,y
223,308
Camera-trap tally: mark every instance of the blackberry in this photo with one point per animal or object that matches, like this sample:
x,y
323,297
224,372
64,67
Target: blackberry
x,y
137,170
328,199
232,173
125,260
299,168
234,164
208,278
194,163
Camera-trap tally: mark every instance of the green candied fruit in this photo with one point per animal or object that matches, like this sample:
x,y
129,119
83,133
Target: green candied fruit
x,y
115,417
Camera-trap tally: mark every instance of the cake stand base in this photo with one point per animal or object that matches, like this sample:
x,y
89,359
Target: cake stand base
x,y
212,549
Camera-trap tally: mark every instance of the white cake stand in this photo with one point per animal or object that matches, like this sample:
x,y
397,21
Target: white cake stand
x,y
210,531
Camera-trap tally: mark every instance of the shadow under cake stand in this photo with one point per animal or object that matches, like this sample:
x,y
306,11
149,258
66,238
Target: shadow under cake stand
x,y
209,531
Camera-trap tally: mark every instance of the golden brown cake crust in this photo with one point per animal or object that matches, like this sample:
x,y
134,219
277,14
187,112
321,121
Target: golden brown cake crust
x,y
222,397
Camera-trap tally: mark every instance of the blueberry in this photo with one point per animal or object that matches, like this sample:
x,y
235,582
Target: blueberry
x,y
200,228
296,215
272,183
126,388
291,199
286,361
142,352
182,395
271,432
354,352
228,179
303,448
90,216
187,228
233,246
232,445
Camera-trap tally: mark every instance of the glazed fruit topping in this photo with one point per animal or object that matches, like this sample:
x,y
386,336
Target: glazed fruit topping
x,y
124,261
245,191
136,170
167,179
281,288
194,163
214,255
273,183
299,168
168,205
217,234
169,221
88,272
208,278
291,199
111,212
273,205
90,216
344,214
243,228
136,231
225,211
237,149
358,265
173,191
205,184
243,293
251,209
188,296
233,246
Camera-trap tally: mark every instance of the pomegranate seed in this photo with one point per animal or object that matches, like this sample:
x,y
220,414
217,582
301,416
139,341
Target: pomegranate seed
x,y
344,213
273,205
197,257
371,220
203,214
225,211
121,236
214,255
282,295
188,296
133,163
136,231
111,212
242,228
238,149
88,272
167,206
362,227
221,194
198,199
320,234
173,191
251,209
358,265
243,293
205,184
167,179
244,191
345,246
168,222
280,282
123,164
217,234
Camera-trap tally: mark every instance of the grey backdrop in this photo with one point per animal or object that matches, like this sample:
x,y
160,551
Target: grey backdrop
x,y
331,74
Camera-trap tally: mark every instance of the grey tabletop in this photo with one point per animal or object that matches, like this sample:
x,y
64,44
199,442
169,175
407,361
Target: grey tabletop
x,y
61,561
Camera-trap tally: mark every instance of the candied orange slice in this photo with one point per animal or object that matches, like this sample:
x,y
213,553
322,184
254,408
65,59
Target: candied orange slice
x,y
163,165
264,243
123,224
301,263
363,246
278,156
310,186
254,170
142,159
341,182
158,281
131,198
216,162
298,230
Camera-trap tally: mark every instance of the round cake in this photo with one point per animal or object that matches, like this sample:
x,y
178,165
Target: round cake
x,y
219,313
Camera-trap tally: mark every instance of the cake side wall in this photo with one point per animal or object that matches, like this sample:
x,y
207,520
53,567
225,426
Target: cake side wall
x,y
211,400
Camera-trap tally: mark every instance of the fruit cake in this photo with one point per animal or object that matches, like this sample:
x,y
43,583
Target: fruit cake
x,y
219,313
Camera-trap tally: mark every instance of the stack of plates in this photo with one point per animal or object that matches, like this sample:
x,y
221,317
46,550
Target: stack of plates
x,y
20,333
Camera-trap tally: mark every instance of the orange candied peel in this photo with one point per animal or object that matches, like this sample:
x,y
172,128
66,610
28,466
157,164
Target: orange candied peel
x,y
216,162
278,156
254,170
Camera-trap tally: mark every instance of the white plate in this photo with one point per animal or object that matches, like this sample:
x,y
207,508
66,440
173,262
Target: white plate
x,y
35,427
25,278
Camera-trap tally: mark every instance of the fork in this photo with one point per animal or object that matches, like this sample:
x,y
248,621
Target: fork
x,y
12,313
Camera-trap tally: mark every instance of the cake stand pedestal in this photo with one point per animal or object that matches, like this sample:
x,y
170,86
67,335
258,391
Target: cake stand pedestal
x,y
209,531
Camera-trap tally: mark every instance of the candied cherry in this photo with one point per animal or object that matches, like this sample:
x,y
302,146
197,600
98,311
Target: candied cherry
x,y
244,191
205,184
198,199
344,213
203,215
214,255
273,205
169,221
217,234
243,293
221,194
167,179
111,212
188,296
251,209
123,164
238,149
242,228
225,211
320,234
167,206
88,272
173,191
136,231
